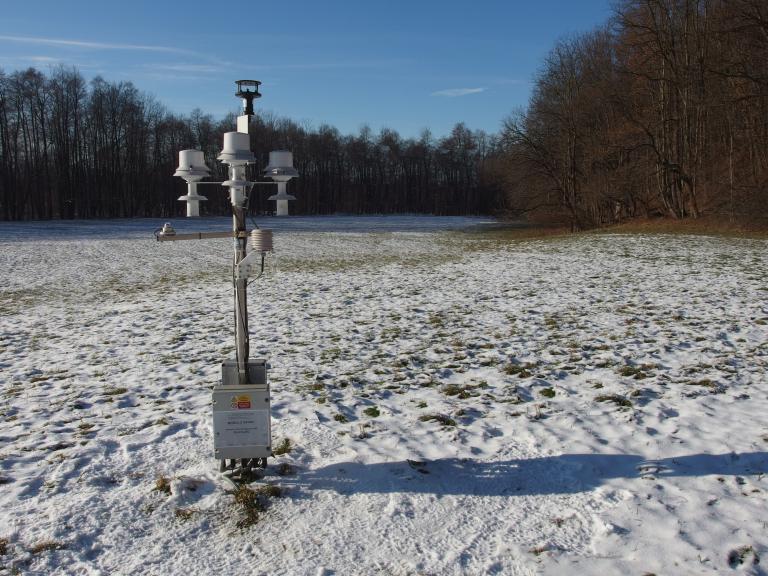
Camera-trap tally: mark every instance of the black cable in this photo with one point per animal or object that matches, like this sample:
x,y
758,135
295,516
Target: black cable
x,y
261,272
243,309
248,206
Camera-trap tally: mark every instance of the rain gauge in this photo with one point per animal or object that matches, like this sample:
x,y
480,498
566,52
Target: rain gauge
x,y
242,436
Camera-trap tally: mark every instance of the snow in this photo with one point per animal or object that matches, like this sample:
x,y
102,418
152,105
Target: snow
x,y
112,341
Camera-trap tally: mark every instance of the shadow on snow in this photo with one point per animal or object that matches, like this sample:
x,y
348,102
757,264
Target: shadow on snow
x,y
564,474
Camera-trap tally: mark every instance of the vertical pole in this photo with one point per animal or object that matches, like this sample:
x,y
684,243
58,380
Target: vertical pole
x,y
193,207
241,302
281,206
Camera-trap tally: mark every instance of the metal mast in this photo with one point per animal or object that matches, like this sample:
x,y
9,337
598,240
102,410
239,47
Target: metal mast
x,y
241,401
237,153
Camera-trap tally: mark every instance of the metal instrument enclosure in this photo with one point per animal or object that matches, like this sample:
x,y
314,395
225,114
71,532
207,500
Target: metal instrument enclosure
x,y
241,413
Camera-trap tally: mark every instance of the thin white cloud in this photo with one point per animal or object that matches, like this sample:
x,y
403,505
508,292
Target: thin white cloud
x,y
39,61
200,68
169,76
43,59
91,45
454,92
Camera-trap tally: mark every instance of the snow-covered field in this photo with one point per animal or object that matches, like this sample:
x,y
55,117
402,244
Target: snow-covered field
x,y
455,403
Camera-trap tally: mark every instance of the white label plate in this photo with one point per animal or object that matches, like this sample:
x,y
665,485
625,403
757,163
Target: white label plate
x,y
240,428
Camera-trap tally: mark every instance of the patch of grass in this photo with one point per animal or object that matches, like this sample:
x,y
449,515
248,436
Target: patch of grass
x,y
706,383
519,370
372,411
330,354
707,225
3,546
743,555
391,333
163,484
436,320
183,514
547,392
616,399
284,447
115,391
47,546
270,491
340,418
441,418
465,391
538,550
284,469
452,389
253,502
636,372
511,398
250,506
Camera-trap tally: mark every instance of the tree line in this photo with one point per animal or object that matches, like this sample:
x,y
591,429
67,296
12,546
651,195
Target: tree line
x,y
76,149
662,111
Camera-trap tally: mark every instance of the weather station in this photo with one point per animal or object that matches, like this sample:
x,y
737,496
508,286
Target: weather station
x,y
242,436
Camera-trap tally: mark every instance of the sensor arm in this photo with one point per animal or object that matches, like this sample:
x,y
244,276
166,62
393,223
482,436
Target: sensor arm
x,y
192,236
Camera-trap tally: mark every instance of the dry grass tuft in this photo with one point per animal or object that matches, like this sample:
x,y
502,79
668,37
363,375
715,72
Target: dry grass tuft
x,y
46,546
183,514
253,502
615,398
283,448
707,226
163,484
441,418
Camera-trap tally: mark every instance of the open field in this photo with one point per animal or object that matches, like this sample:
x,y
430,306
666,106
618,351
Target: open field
x,y
448,402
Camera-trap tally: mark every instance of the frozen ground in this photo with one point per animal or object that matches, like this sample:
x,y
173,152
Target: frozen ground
x,y
137,228
455,404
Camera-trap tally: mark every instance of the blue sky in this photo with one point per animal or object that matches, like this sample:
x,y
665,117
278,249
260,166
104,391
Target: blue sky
x,y
396,64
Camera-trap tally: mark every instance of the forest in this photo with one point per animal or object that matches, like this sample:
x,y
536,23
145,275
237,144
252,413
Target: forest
x,y
660,112
76,149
